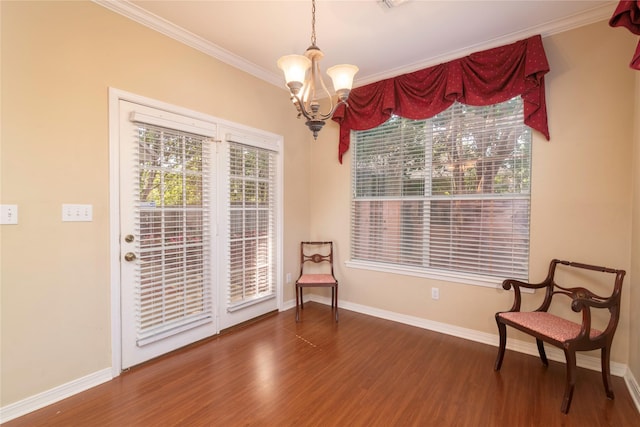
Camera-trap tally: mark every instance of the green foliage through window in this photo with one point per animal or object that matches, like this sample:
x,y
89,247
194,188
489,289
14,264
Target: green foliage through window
x,y
446,193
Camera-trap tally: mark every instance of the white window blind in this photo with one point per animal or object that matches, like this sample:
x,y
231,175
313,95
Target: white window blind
x,y
173,291
450,193
252,224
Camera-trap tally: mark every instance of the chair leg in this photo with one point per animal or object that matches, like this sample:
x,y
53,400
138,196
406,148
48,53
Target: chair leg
x,y
571,380
297,305
336,298
543,355
606,372
502,329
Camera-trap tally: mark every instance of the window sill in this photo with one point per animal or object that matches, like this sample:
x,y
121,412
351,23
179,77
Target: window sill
x,y
467,279
248,303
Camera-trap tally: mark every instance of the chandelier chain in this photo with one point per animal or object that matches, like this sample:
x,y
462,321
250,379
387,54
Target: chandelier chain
x,y
302,74
313,22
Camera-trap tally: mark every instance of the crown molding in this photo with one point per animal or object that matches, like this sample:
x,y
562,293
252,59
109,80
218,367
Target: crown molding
x,y
181,35
161,25
590,16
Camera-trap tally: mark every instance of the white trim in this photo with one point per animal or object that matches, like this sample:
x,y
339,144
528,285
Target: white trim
x,y
280,220
114,228
175,32
157,336
633,387
119,94
255,141
245,304
262,136
169,29
467,279
175,121
583,361
545,30
233,133
56,394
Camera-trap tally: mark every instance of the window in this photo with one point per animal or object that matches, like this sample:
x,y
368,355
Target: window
x,y
448,195
172,218
252,220
196,225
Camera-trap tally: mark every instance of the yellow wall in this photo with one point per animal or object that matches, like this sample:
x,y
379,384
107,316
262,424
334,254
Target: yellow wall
x,y
634,332
581,191
58,61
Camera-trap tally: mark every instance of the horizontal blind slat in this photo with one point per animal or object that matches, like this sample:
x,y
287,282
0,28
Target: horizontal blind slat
x,y
447,192
172,220
252,221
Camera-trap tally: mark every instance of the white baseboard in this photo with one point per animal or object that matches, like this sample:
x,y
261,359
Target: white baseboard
x,y
56,394
583,361
633,387
33,403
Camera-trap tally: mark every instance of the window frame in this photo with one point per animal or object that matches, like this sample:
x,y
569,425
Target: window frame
x,y
424,270
222,127
232,313
266,267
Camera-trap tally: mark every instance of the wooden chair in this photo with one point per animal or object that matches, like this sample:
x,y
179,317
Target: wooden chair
x,y
563,333
316,270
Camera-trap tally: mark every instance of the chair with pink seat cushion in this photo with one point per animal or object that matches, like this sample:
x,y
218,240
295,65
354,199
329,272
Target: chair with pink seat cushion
x,y
316,270
565,334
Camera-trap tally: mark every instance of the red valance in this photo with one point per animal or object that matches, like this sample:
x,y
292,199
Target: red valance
x,y
483,78
627,15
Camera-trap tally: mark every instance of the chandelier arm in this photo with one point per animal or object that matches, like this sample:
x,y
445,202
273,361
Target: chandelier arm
x,y
331,106
311,85
301,108
310,116
333,110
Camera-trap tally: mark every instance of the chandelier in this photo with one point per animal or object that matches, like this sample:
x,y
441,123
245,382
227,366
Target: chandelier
x,y
303,77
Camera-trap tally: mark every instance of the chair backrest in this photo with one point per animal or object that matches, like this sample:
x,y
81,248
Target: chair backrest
x,y
316,255
581,295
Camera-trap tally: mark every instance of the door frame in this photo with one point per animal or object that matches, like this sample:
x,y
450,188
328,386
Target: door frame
x,y
115,96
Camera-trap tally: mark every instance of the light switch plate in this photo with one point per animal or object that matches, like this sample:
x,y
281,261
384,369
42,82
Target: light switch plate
x,y
75,213
8,214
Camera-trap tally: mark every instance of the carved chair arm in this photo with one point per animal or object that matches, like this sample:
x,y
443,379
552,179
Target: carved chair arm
x,y
517,295
585,304
579,304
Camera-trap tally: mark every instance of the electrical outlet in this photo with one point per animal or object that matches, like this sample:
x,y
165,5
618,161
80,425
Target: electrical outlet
x,y
288,277
82,213
9,214
435,293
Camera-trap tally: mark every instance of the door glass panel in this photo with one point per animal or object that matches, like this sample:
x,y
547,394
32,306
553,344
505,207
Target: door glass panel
x,y
174,237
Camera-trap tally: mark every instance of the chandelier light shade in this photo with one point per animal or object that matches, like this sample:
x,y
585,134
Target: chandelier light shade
x,y
342,76
304,79
295,70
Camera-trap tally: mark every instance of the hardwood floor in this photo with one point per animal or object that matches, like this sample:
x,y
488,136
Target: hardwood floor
x,y
362,371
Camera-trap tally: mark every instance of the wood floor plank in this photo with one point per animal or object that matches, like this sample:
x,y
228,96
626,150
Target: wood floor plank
x,y
362,371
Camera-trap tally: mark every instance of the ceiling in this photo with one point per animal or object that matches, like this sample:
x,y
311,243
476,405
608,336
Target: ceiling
x,y
383,42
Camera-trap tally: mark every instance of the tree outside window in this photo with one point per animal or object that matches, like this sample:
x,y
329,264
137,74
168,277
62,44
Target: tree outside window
x,y
448,193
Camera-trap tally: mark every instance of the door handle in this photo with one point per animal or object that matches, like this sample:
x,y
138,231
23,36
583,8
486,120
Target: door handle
x,y
130,256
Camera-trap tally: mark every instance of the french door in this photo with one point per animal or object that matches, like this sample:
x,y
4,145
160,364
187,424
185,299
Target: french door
x,y
250,227
167,216
199,227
